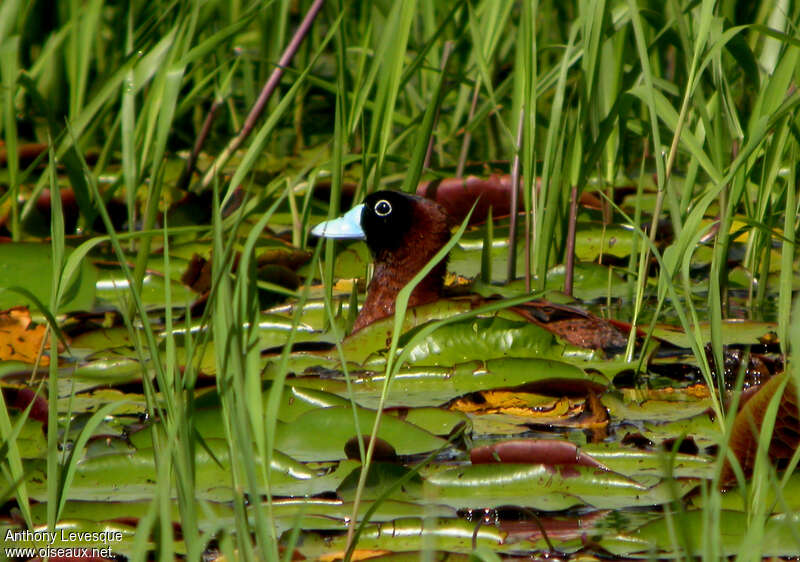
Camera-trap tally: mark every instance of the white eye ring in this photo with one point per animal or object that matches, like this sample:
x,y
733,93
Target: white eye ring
x,y
383,208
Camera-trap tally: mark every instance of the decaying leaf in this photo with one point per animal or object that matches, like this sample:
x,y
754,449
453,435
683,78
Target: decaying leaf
x,y
549,451
747,427
533,409
575,326
457,195
20,339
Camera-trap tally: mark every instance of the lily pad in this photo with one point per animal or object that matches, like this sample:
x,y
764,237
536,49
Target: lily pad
x,y
132,476
548,487
432,386
323,433
30,267
733,332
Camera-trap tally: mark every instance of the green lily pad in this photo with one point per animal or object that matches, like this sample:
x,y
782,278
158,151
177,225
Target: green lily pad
x,y
29,266
591,281
412,537
30,442
735,499
432,386
733,332
595,239
487,338
381,478
93,341
323,433
779,537
635,463
550,488
132,476
113,287
295,401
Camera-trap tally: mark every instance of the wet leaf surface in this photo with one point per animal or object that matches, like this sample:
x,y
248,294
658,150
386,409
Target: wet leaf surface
x,y
20,340
489,419
29,266
749,421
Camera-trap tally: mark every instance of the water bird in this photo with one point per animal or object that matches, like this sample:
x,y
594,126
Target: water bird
x,y
404,232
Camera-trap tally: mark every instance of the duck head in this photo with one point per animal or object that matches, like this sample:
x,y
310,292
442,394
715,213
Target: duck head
x,y
403,233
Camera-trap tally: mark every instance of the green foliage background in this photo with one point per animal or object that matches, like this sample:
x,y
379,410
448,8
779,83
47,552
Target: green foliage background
x,y
697,100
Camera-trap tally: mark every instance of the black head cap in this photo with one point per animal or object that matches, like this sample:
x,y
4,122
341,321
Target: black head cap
x,y
386,218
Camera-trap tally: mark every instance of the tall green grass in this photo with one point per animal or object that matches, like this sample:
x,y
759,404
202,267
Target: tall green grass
x,y
705,91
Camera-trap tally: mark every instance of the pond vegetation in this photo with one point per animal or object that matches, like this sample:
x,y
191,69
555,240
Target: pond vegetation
x,y
605,371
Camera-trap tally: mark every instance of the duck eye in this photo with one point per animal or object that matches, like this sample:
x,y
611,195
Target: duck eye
x,y
383,208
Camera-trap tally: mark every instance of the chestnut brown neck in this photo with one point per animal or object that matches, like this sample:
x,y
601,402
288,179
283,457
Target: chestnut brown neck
x,y
394,268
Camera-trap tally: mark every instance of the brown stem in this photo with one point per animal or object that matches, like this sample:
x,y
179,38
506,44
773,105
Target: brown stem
x,y
512,234
188,170
448,47
573,218
462,158
528,250
266,93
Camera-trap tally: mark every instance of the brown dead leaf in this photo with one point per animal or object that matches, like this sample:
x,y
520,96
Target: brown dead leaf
x,y
573,325
509,402
747,427
358,554
197,274
585,412
548,451
457,195
20,339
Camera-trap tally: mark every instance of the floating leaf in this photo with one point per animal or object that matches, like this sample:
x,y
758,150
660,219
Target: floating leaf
x,y
30,266
457,196
20,340
548,487
733,332
594,240
485,338
321,434
779,535
746,430
432,386
548,451
131,476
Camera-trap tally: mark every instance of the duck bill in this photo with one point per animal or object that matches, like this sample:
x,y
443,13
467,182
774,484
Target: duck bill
x,y
346,226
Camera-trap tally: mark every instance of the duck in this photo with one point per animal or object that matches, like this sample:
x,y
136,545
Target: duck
x,y
403,232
